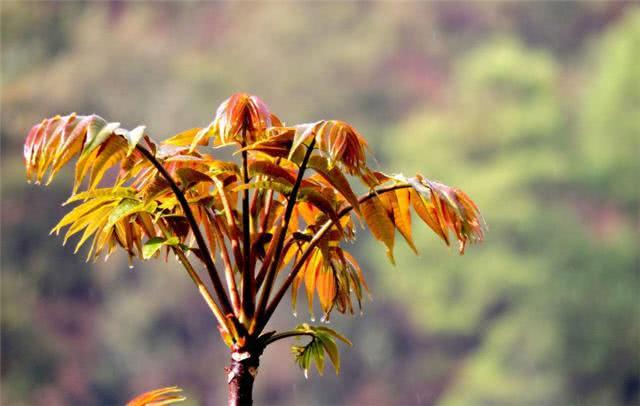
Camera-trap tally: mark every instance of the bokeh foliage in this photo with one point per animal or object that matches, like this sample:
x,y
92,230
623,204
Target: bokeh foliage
x,y
530,108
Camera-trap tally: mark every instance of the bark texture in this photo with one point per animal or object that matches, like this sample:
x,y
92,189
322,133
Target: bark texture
x,y
241,374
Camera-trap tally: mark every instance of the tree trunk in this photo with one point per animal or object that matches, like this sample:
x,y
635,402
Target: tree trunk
x,y
241,373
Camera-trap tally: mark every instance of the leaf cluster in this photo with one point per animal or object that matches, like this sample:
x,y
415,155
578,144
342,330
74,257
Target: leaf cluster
x,y
281,211
323,342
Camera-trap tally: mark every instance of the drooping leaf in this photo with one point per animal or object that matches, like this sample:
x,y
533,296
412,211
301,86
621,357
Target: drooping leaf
x,y
449,208
336,178
189,177
111,152
155,188
108,192
326,285
322,201
80,211
154,244
91,224
427,215
379,223
178,225
313,268
272,171
70,145
125,208
400,217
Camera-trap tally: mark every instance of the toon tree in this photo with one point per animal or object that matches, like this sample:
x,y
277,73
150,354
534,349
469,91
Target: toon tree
x,y
256,228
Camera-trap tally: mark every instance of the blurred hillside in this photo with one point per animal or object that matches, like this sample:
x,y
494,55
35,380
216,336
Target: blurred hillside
x,y
532,108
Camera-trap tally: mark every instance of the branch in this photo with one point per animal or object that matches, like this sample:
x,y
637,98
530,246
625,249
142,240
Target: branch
x,y
286,334
267,210
261,274
228,267
231,223
202,288
282,233
248,281
266,262
208,261
312,244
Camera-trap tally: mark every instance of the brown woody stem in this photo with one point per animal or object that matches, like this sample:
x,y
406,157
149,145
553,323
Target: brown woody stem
x,y
240,376
312,244
271,273
202,245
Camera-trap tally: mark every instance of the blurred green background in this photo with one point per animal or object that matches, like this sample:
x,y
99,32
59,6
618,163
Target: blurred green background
x,y
532,108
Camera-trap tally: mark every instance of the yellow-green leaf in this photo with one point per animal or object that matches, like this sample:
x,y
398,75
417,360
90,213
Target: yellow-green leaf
x,y
154,244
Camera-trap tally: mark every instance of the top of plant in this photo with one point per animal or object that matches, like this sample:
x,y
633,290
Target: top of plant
x,y
280,211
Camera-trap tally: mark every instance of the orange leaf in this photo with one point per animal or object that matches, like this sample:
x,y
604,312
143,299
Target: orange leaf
x,y
314,265
162,396
402,215
426,214
271,170
336,178
379,223
326,285
109,153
